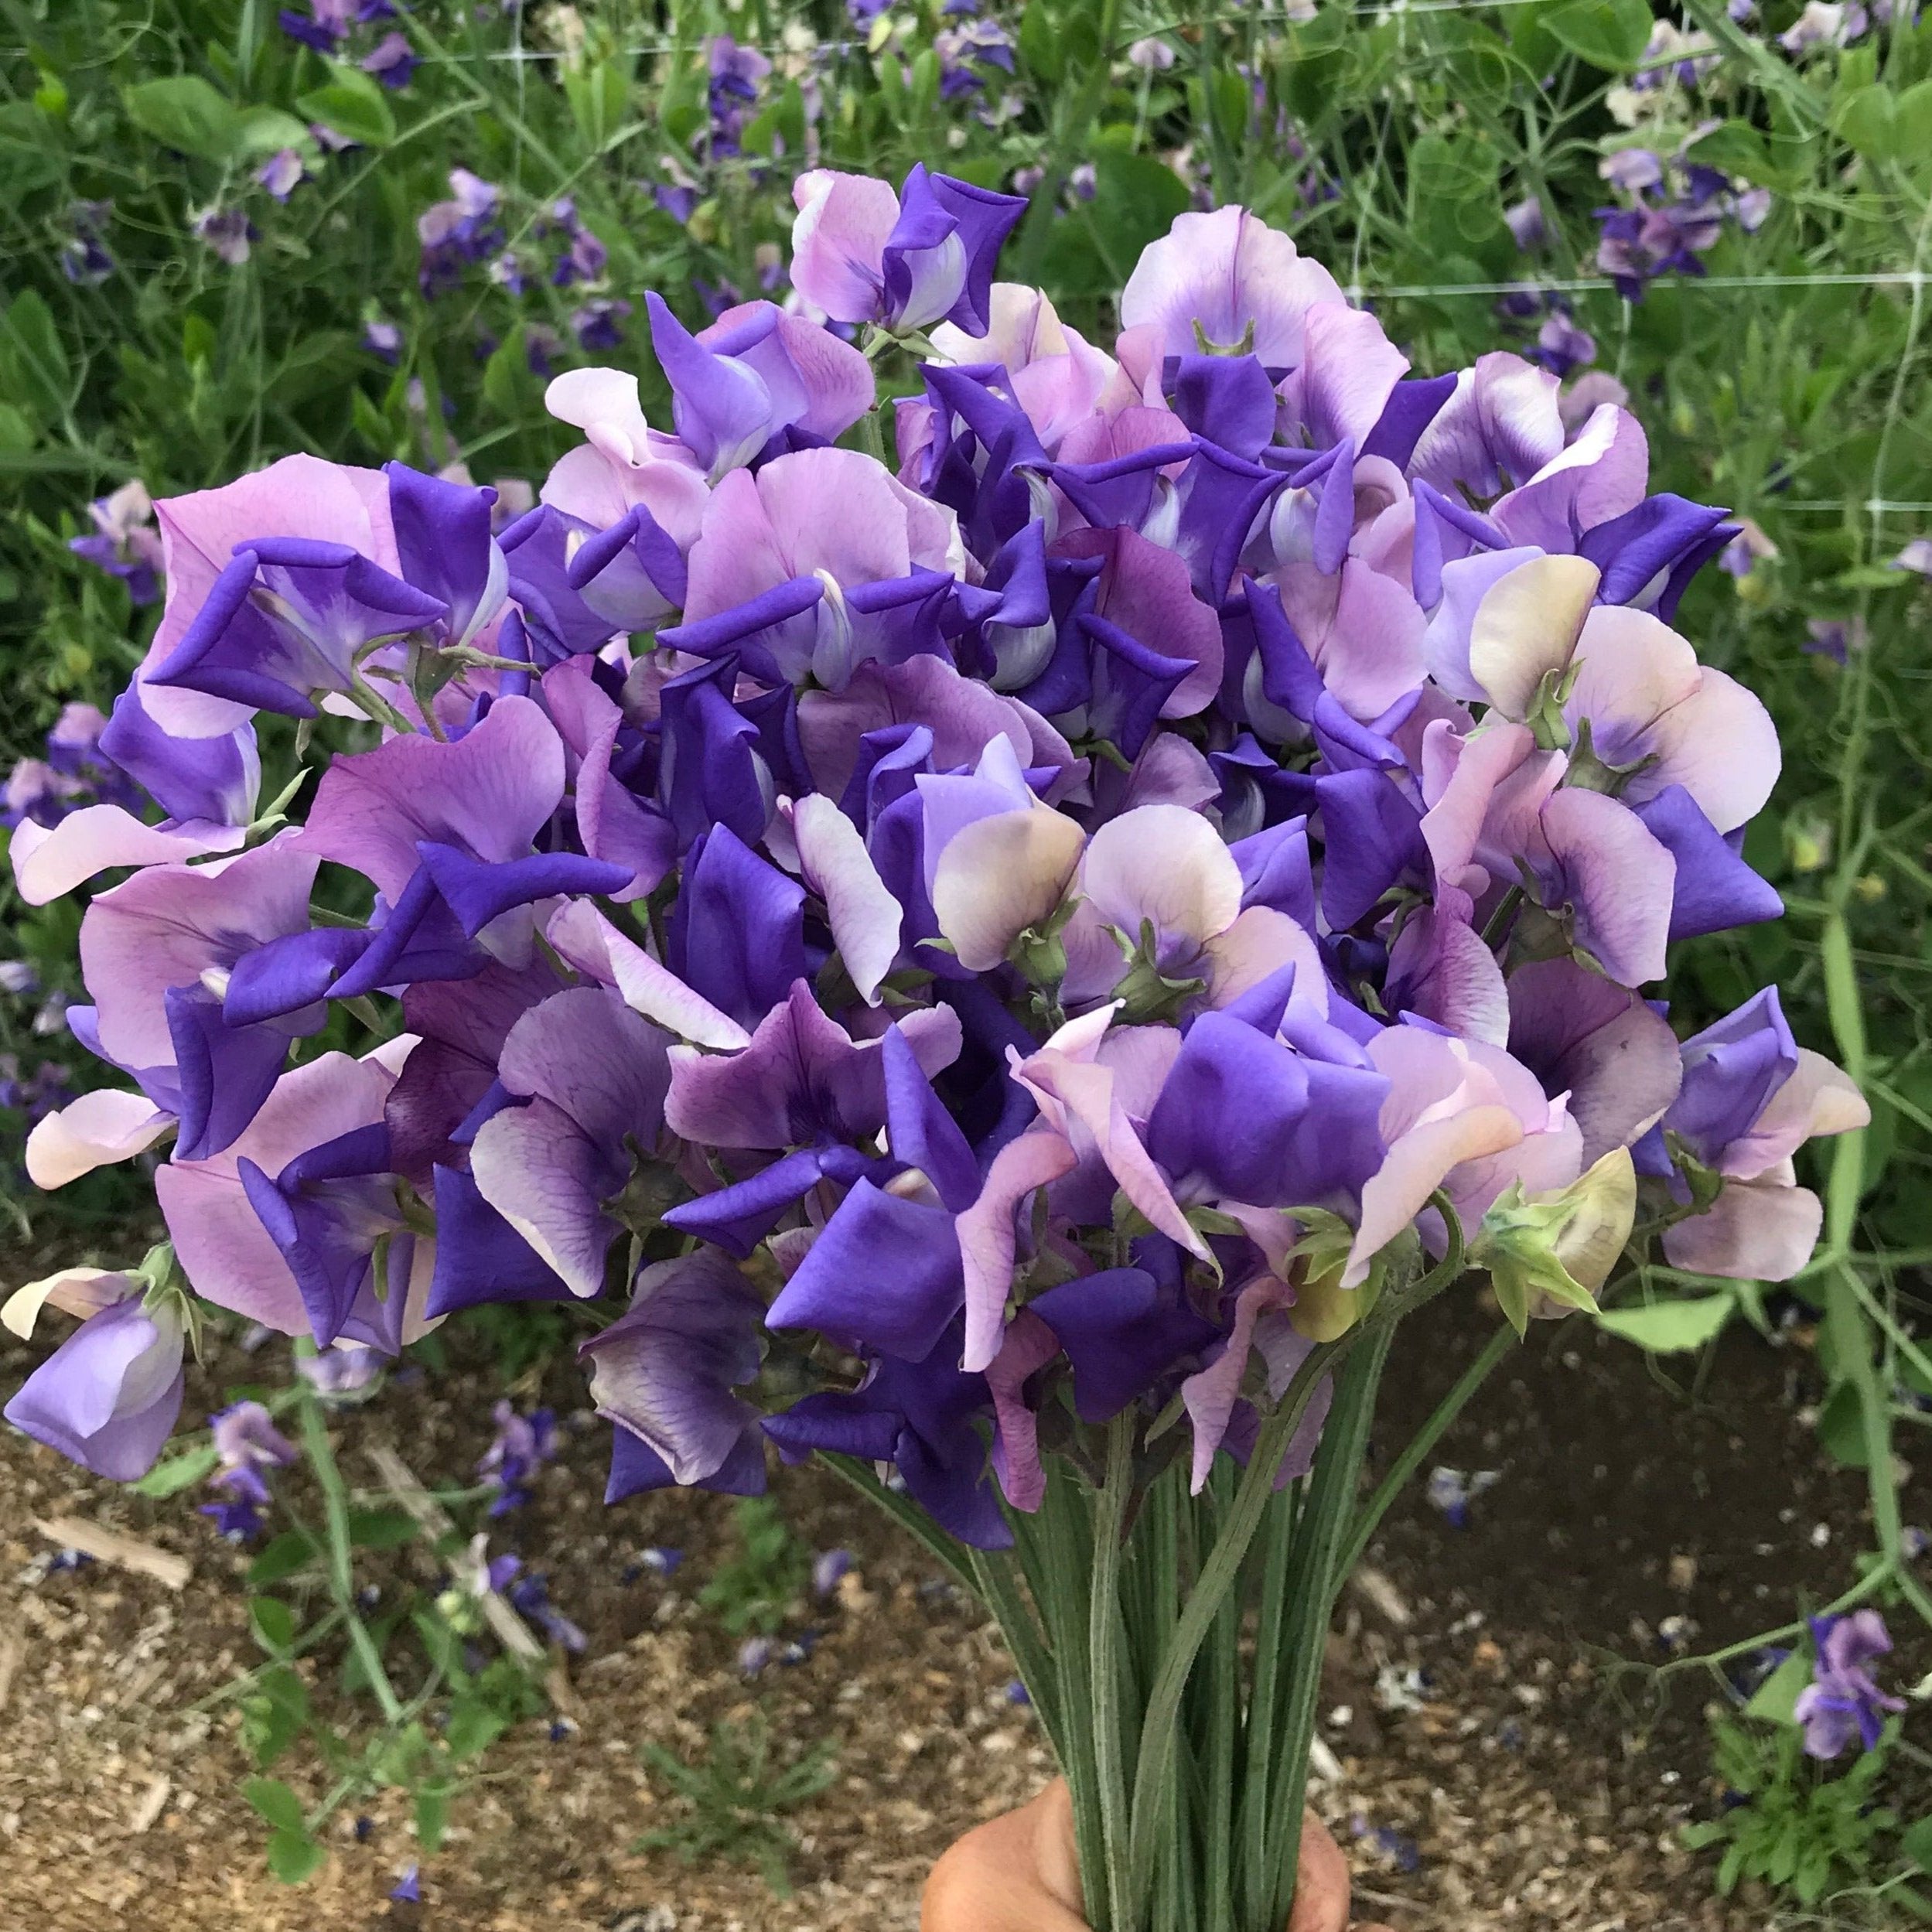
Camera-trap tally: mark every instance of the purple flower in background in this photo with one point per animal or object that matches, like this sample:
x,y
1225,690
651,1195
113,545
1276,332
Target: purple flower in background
x,y
599,324
382,339
529,1596
84,260
678,201
1151,56
520,1446
1562,345
248,1444
1834,637
828,1567
1526,223
326,24
282,173
342,1370
1749,549
1843,1700
125,543
1916,556
736,75
542,345
407,1889
458,231
392,60
228,231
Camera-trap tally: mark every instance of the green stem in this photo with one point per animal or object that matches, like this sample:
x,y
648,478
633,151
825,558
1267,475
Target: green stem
x,y
341,1573
1124,1910
1319,1538
1204,1601
1252,1831
1369,1518
1000,1591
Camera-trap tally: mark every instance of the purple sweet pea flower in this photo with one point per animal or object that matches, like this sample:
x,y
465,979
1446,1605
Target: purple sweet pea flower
x,y
599,324
1843,1700
84,260
520,1446
392,60
125,544
1526,224
862,254
228,231
248,1445
108,1397
282,173
665,1370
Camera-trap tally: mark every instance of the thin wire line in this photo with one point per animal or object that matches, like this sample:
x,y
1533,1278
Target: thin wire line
x,y
1591,285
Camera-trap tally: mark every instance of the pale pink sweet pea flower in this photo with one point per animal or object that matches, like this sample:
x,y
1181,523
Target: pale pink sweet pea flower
x,y
1165,868
95,1131
1090,1087
1462,1117
1763,1226
1058,376
998,861
624,462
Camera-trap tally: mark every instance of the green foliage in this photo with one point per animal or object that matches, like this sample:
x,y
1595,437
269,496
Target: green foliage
x,y
1805,1828
734,1796
752,1589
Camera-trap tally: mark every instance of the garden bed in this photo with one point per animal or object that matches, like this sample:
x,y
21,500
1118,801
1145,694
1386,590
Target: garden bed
x,y
1496,1770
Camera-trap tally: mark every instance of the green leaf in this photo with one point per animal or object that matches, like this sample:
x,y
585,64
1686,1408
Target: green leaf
x,y
261,130
1736,148
276,1803
1775,1701
1869,121
473,1727
1135,200
274,1624
1670,1327
1039,44
32,357
174,1473
182,111
1915,1843
354,106
291,1551
31,153
381,1529
294,1856
1609,34
1841,1427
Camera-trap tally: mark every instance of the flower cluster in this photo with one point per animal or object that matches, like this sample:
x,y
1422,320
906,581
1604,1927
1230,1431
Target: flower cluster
x,y
1059,925
358,28
1673,214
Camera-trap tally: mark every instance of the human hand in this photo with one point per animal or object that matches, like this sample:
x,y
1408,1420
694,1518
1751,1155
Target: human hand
x,y
1018,1873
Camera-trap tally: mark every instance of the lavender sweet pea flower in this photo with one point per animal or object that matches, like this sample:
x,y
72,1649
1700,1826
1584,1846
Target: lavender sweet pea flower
x,y
227,231
1751,1097
753,375
591,1077
299,497
232,1259
1226,280
664,1370
1843,1698
282,173
520,1446
392,60
1526,224
247,1444
862,254
125,544
108,1397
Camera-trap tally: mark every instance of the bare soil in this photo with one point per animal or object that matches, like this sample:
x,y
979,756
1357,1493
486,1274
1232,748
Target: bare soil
x,y
1508,1754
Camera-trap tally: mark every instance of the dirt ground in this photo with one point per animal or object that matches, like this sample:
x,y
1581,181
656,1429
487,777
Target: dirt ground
x,y
1506,1754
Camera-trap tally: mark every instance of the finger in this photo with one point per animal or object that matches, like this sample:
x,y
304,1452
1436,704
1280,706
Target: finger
x,y
1014,1873
1321,1884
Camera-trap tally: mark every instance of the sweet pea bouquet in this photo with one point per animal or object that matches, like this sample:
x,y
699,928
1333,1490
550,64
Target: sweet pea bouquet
x,y
1013,973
